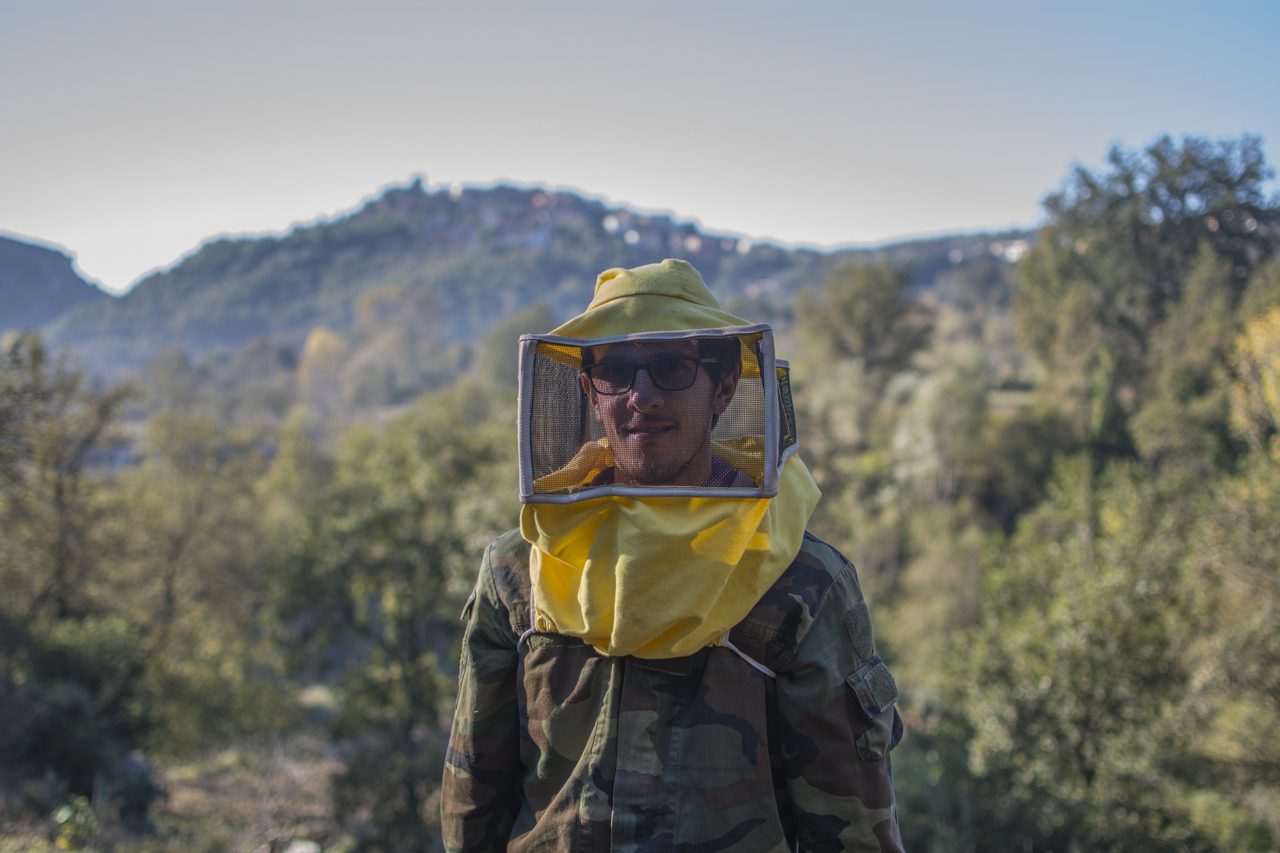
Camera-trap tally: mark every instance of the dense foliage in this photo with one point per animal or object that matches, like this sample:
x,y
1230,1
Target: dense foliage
x,y
1059,478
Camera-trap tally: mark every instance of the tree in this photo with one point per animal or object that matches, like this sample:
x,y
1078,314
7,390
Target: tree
x,y
71,709
859,338
1075,666
1112,263
54,429
1119,689
865,316
396,347
1229,732
1183,425
498,359
371,575
320,366
181,550
1255,395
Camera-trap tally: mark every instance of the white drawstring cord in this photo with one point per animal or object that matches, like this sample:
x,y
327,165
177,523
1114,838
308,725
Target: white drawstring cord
x,y
727,643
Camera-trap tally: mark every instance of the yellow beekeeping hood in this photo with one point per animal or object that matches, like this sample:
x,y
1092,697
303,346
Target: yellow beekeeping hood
x,y
655,570
666,297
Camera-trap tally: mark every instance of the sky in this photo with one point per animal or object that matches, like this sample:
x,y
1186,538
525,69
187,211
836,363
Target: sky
x,y
132,131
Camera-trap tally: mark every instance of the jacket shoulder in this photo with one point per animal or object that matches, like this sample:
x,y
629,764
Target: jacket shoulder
x,y
783,615
508,547
507,559
817,555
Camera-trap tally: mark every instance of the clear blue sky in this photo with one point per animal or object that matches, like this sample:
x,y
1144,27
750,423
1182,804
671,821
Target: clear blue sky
x,y
132,131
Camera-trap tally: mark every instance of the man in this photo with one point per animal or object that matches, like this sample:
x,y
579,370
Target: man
x,y
657,402
661,658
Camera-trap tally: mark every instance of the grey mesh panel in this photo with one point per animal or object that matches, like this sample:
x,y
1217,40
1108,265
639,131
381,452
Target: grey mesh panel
x,y
567,454
557,433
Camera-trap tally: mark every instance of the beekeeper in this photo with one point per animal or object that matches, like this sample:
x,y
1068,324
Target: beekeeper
x,y
661,657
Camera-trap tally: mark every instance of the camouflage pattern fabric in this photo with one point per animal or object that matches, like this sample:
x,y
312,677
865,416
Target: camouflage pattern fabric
x,y
556,747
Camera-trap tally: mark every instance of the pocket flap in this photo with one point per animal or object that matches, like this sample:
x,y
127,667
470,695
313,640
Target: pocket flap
x,y
874,686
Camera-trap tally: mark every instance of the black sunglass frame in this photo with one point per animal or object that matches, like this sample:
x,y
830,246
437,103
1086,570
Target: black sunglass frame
x,y
647,367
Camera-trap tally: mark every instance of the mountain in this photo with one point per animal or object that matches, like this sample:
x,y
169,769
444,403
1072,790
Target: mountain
x,y
38,284
463,259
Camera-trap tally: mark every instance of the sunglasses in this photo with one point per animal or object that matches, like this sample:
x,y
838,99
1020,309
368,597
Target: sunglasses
x,y
668,372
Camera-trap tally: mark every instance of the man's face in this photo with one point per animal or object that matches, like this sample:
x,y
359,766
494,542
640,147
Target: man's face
x,y
659,437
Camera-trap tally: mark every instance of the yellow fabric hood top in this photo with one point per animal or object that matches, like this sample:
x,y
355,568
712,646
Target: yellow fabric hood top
x,y
666,297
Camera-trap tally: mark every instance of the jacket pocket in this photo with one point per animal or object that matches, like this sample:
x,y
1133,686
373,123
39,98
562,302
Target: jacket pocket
x,y
873,693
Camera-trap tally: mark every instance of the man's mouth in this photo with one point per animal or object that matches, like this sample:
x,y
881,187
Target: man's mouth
x,y
648,429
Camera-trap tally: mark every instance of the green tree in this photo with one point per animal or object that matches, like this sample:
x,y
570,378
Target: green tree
x,y
324,355
1229,732
865,316
1076,670
498,359
182,554
396,348
53,428
858,338
1183,426
371,578
1112,263
1255,393
71,706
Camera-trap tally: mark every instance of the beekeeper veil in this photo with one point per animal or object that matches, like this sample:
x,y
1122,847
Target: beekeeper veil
x,y
662,495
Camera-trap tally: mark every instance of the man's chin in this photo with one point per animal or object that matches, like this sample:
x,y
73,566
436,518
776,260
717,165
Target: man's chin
x,y
648,474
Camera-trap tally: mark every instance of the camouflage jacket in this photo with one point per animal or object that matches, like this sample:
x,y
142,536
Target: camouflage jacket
x,y
556,747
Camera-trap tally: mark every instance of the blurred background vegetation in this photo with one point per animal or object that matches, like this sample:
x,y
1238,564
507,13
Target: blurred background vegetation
x,y
243,504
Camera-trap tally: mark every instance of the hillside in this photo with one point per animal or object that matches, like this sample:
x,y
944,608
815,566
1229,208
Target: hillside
x,y
37,284
465,260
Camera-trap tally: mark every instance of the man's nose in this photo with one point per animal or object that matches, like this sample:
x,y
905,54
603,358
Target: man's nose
x,y
644,394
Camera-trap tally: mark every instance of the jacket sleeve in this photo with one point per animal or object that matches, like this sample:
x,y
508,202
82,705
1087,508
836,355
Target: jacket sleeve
x,y
837,723
480,797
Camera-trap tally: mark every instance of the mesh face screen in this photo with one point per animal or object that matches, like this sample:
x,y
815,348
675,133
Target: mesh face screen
x,y
688,413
